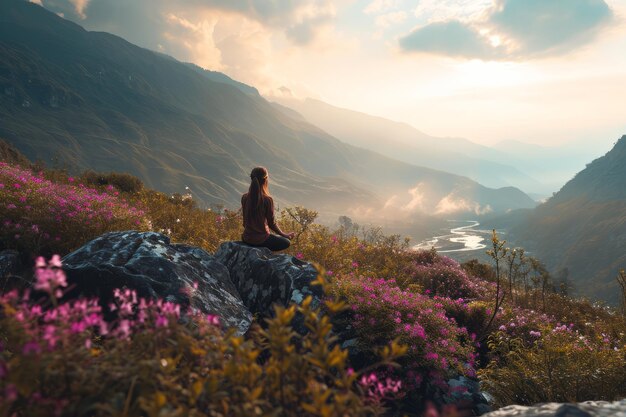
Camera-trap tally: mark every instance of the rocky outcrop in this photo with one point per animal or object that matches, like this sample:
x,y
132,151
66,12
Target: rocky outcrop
x,y
464,390
263,278
150,264
585,409
10,263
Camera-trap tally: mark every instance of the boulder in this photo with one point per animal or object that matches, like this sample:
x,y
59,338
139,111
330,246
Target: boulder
x,y
263,278
10,263
585,409
148,263
465,390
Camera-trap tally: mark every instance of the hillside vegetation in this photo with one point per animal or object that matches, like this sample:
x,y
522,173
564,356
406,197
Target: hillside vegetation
x,y
582,228
420,318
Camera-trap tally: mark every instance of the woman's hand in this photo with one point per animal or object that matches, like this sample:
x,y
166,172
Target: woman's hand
x,y
289,235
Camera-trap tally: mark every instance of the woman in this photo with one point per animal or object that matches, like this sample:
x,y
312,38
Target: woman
x,y
258,215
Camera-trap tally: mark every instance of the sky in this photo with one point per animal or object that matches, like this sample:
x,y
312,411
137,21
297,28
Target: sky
x,y
549,72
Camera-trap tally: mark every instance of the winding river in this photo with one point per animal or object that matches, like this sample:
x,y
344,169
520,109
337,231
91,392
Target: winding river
x,y
463,236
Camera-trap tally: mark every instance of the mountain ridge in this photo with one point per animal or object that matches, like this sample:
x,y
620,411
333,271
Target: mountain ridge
x,y
402,141
582,228
102,103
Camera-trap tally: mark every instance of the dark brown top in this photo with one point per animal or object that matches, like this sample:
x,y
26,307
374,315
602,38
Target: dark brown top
x,y
257,229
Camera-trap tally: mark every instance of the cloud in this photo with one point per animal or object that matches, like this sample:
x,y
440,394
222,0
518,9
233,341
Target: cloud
x,y
451,205
391,18
444,10
381,6
80,6
417,198
305,31
247,39
298,19
546,26
510,29
452,38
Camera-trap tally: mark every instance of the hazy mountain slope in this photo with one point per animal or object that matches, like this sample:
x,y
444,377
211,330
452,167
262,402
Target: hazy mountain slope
x,y
401,141
223,78
554,165
97,101
583,227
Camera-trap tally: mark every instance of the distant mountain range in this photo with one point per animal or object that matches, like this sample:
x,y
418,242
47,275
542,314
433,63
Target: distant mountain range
x,y
537,170
92,100
583,226
403,142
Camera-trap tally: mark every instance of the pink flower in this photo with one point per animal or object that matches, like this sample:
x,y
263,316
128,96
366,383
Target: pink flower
x,y
55,261
31,347
161,321
299,255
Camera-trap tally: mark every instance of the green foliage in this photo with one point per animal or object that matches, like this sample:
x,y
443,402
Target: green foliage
x,y
621,280
534,357
392,293
561,366
124,182
10,155
163,367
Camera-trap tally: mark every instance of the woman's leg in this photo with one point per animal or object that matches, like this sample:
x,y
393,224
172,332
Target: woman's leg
x,y
276,243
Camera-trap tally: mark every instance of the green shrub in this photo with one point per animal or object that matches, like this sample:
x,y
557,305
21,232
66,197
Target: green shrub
x,y
126,183
63,358
562,366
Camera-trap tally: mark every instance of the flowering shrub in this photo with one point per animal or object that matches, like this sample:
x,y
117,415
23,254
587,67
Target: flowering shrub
x,y
523,325
472,315
562,365
443,276
339,252
381,311
123,182
152,359
38,215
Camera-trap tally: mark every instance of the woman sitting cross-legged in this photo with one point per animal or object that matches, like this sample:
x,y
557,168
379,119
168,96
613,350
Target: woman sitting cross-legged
x,y
258,215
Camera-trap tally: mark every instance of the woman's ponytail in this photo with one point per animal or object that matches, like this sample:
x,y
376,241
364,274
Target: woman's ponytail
x,y
257,192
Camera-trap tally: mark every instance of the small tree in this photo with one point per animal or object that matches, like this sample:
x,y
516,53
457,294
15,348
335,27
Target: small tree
x,y
497,252
621,280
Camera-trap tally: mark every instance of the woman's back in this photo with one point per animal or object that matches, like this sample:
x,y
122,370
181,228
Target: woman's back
x,y
258,214
256,222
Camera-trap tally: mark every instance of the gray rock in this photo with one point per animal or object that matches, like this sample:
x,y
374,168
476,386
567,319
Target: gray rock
x,y
584,409
466,390
151,265
10,263
263,278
